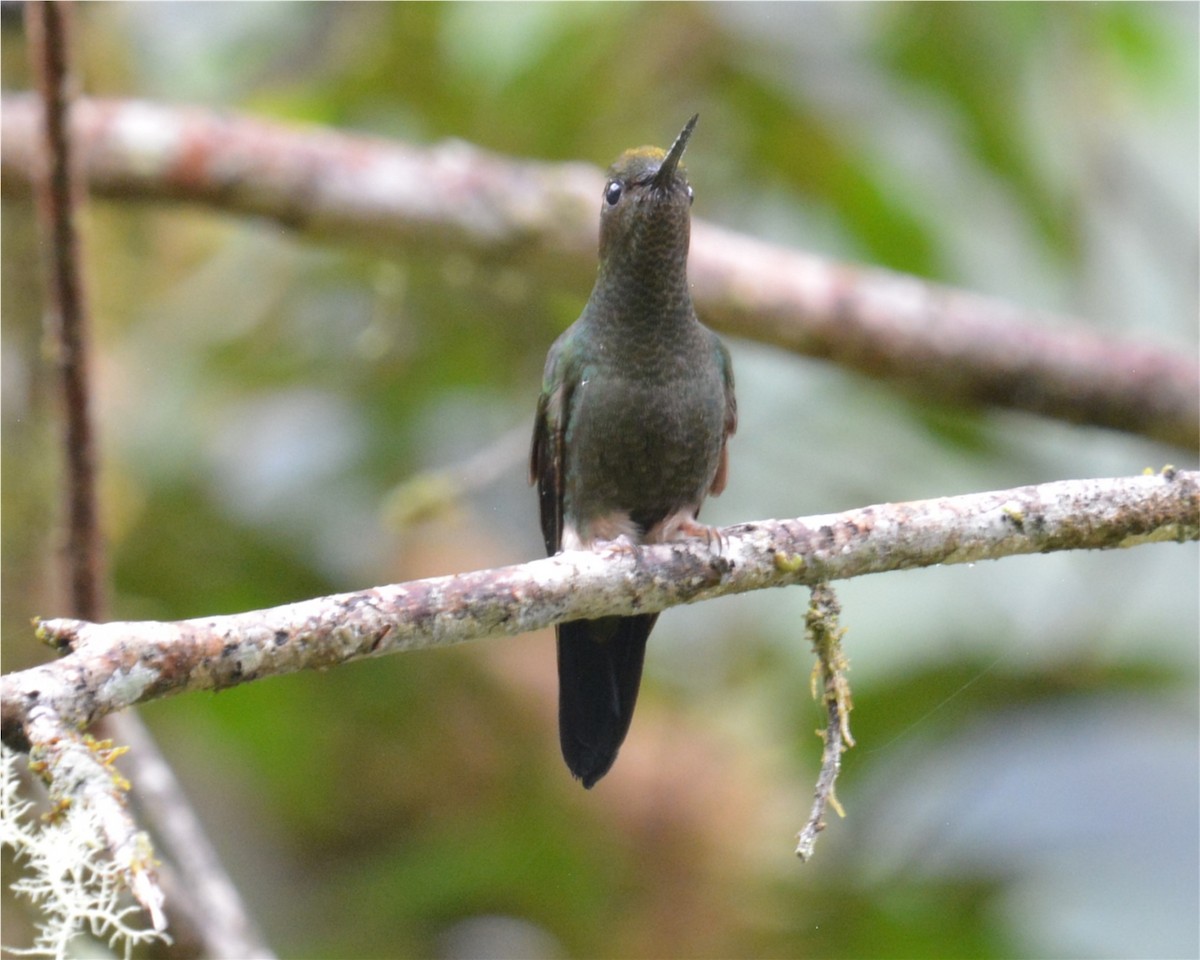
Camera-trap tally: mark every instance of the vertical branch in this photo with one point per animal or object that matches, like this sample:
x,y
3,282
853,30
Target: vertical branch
x,y
49,25
213,918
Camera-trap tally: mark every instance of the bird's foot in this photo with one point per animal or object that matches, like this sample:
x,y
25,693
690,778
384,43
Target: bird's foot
x,y
712,536
620,546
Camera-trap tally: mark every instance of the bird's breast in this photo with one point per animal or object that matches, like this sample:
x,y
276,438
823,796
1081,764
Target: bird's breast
x,y
642,444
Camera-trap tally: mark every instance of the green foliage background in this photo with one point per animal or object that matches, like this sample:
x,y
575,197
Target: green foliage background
x,y
1026,777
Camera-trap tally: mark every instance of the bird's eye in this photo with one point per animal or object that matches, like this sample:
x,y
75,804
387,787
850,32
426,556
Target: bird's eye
x,y
691,195
612,193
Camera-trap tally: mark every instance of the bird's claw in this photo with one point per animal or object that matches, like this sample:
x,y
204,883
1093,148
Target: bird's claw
x,y
621,546
712,536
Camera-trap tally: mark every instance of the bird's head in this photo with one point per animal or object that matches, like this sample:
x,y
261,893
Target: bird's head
x,y
645,212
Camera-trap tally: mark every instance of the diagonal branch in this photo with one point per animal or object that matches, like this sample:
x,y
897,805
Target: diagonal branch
x,y
941,344
79,772
114,665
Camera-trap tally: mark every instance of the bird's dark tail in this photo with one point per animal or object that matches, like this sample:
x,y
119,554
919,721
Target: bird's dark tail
x,y
599,671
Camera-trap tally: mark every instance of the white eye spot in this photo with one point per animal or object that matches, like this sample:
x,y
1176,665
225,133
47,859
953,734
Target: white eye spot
x,y
691,195
612,193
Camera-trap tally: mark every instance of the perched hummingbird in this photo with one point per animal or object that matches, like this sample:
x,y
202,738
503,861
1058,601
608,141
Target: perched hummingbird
x,y
637,404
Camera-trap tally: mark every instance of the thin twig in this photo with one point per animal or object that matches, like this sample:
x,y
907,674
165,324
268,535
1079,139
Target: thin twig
x,y
58,189
935,342
114,665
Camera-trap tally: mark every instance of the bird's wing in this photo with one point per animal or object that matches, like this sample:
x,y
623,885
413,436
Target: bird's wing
x,y
547,455
731,418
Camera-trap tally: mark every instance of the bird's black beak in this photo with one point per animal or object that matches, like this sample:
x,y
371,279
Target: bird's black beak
x,y
666,173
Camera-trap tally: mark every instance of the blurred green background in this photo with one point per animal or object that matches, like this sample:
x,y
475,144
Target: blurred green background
x,y
1026,776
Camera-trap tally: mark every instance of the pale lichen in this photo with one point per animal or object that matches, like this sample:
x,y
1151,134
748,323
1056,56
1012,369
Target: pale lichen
x,y
66,873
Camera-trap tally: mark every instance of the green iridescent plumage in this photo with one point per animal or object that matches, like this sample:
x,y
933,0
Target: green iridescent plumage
x,y
637,404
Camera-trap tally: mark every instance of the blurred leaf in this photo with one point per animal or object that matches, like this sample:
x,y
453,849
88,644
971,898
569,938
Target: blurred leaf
x,y
782,140
973,60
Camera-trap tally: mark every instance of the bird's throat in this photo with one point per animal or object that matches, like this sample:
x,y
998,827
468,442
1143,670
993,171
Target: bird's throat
x,y
652,294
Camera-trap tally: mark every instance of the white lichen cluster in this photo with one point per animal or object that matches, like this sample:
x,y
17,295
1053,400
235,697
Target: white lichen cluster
x,y
66,874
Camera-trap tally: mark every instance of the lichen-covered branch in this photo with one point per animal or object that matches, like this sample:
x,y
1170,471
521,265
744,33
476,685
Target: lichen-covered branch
x,y
78,862
943,344
110,666
79,773
829,685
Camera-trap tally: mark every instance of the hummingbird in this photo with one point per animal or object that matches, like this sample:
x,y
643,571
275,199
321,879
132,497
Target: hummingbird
x,y
636,407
